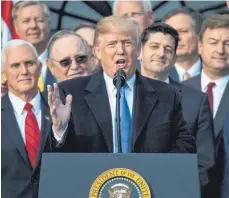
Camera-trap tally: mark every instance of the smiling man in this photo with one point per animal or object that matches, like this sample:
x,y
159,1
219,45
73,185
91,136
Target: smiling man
x,y
158,54
68,56
32,23
157,120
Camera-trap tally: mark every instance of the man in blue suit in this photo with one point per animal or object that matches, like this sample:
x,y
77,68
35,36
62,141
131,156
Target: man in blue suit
x,y
155,115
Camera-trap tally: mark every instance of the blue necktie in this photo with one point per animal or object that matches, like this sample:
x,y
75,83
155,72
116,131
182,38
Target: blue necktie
x,y
125,122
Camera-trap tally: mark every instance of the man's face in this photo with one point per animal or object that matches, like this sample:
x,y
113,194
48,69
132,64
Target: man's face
x,y
188,39
21,70
3,84
214,50
31,24
118,50
158,54
88,34
135,9
69,59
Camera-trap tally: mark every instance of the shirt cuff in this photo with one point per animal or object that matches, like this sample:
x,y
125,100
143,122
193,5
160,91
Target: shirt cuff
x,y
60,139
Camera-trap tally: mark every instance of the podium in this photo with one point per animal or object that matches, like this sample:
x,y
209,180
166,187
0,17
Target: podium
x,y
108,175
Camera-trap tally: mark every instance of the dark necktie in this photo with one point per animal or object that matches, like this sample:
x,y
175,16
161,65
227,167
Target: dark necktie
x,y
210,95
32,134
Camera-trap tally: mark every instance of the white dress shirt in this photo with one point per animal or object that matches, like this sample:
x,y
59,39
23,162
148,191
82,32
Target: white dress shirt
x,y
193,71
42,58
217,90
20,114
111,91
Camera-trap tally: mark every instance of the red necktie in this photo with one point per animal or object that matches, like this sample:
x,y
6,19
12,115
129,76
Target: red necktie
x,y
32,134
210,95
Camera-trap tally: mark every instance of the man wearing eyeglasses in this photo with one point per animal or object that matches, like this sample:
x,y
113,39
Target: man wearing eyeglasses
x,y
68,56
151,109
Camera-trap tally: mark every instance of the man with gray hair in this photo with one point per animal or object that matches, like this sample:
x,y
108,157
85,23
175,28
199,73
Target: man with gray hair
x,y
188,23
32,23
25,120
139,10
68,56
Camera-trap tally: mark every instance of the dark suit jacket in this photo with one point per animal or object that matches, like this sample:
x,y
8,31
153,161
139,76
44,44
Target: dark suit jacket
x,y
19,179
215,178
220,183
197,113
225,164
195,83
50,79
157,121
174,74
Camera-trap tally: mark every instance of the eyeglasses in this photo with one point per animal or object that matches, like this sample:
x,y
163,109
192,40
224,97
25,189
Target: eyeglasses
x,y
80,59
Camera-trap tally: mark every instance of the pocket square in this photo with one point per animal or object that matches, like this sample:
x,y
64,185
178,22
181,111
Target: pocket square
x,y
46,117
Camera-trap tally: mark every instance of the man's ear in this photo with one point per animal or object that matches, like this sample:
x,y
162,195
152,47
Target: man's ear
x,y
49,64
3,75
200,46
151,17
15,26
140,54
97,51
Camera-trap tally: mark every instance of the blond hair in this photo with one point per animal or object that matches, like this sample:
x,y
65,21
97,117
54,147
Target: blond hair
x,y
116,24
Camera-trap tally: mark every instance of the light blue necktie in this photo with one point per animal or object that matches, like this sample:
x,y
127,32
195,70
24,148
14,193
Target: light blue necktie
x,y
125,122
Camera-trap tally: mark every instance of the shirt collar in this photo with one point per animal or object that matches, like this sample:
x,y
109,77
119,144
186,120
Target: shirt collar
x,y
219,82
193,71
19,104
109,82
43,56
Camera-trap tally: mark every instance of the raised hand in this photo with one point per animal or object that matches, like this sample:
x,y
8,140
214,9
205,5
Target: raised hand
x,y
60,113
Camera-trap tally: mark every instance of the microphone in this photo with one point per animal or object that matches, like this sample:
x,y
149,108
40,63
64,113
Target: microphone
x,y
119,74
119,80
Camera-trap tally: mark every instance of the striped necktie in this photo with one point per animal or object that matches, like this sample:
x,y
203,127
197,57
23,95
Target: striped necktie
x,y
32,134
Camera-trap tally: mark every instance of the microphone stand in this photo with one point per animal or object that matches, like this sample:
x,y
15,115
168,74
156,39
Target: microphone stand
x,y
118,118
119,81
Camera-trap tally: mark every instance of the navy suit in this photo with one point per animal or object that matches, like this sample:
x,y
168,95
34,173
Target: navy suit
x,y
225,178
197,113
157,121
216,173
19,179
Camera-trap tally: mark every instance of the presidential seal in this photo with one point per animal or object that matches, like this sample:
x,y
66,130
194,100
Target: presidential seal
x,y
119,183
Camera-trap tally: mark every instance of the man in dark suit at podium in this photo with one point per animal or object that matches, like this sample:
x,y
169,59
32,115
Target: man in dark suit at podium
x,y
153,116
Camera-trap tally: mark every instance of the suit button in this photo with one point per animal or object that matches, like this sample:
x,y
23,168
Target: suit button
x,y
34,179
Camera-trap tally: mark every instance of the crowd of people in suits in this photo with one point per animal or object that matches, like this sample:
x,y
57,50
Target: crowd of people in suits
x,y
58,93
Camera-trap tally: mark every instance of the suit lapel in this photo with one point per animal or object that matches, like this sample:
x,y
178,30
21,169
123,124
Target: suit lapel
x,y
145,100
46,125
12,128
98,102
174,75
221,112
